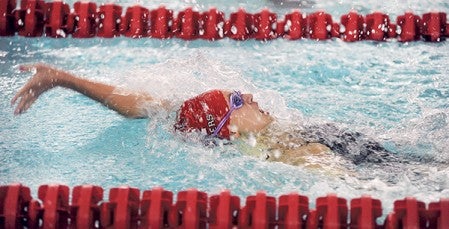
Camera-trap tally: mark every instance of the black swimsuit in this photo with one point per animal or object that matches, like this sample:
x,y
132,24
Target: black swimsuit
x,y
354,146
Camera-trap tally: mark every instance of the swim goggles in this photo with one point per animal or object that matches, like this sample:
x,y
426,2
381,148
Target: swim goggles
x,y
236,102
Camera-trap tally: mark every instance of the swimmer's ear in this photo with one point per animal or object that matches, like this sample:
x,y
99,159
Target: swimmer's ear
x,y
234,134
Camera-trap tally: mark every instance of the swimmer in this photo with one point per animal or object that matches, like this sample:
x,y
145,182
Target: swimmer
x,y
219,114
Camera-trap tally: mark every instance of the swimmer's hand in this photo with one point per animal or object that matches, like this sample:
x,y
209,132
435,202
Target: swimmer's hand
x,y
44,79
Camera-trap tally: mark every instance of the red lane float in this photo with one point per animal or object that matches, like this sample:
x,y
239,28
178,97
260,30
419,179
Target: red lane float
x,y
319,26
126,208
410,213
161,21
135,22
331,210
155,207
259,212
7,18
212,23
85,210
122,209
55,210
224,209
82,23
187,25
364,212
190,210
14,200
30,18
353,24
239,26
438,214
265,25
378,27
292,210
410,26
109,20
57,14
434,26
296,26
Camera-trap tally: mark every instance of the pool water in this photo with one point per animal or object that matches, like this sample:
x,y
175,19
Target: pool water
x,y
396,93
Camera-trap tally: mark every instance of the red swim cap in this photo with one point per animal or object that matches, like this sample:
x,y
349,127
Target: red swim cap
x,y
204,112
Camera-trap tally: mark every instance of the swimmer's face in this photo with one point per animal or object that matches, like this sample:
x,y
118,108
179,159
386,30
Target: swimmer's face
x,y
248,118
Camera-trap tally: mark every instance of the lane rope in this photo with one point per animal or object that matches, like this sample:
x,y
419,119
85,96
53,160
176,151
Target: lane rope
x,y
35,18
128,207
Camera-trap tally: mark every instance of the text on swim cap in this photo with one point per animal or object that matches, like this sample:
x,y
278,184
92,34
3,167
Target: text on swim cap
x,y
210,123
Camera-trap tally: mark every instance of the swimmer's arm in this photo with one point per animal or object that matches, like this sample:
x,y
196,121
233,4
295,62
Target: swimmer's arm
x,y
128,104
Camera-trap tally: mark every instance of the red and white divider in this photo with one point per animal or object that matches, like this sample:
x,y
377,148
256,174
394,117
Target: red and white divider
x,y
36,18
84,207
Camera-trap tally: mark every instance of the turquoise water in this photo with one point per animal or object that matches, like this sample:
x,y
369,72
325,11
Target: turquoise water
x,y
396,93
